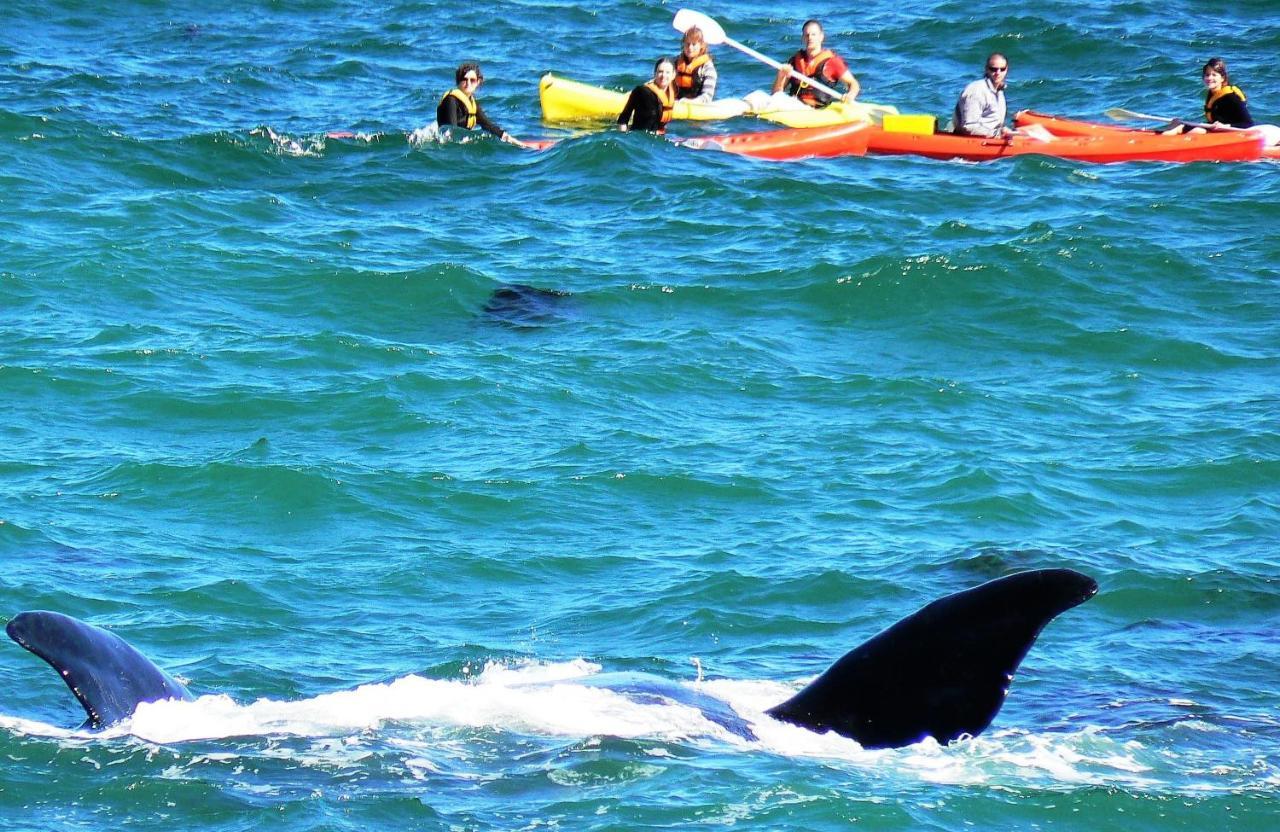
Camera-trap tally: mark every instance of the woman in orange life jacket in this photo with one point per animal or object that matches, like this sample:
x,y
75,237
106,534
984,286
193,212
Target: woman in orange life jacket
x,y
696,74
820,64
1224,106
459,107
649,106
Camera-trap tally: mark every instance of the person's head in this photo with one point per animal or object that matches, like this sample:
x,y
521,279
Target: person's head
x,y
664,72
811,35
1215,74
695,43
997,69
468,77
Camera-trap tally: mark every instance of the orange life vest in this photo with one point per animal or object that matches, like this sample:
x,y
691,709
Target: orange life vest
x,y
688,85
810,68
667,98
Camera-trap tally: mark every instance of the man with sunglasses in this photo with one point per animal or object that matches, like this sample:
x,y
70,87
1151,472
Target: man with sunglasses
x,y
459,107
981,108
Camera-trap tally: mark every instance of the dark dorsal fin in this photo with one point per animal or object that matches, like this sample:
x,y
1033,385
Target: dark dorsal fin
x,y
109,677
942,672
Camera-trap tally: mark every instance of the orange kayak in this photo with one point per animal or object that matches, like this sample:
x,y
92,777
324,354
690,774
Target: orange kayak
x,y
1128,146
1060,126
860,139
787,145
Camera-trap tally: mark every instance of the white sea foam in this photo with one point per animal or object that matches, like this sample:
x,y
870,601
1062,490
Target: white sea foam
x,y
550,700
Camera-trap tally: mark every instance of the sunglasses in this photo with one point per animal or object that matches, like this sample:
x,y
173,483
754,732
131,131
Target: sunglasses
x,y
997,69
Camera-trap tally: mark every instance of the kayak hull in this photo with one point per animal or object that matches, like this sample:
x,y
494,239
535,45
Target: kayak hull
x,y
790,144
1059,126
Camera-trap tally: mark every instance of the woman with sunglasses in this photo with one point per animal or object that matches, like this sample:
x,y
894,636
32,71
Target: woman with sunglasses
x,y
459,107
981,109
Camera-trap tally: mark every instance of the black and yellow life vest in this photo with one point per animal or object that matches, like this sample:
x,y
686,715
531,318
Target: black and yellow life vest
x,y
688,84
468,102
667,98
1212,98
810,68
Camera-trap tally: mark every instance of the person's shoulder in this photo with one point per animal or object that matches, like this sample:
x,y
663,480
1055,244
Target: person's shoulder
x,y
974,87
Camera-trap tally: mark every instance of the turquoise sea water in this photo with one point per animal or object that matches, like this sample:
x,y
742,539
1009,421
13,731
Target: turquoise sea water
x,y
257,421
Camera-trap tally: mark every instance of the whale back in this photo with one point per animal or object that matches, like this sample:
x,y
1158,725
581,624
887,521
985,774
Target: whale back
x,y
942,672
108,676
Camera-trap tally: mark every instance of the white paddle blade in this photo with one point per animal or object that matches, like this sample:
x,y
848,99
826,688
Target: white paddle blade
x,y
1121,114
686,19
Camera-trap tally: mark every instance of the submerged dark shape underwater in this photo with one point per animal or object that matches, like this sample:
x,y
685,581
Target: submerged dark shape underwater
x,y
521,305
942,672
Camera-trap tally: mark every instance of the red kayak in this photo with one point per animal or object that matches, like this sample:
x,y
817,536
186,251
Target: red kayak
x,y
1060,126
1134,146
859,139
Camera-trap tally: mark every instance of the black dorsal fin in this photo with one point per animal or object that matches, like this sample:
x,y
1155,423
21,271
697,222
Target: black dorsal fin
x,y
942,672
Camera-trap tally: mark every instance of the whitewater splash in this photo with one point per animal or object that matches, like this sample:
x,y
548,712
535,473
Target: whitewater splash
x,y
553,700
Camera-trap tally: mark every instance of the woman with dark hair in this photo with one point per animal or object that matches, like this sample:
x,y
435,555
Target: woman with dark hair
x,y
459,107
1224,104
650,105
1225,107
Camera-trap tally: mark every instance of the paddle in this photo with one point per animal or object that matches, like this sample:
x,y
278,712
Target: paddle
x,y
714,34
1121,114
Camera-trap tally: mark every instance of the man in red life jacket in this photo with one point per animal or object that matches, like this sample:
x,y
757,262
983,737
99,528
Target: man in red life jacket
x,y
818,63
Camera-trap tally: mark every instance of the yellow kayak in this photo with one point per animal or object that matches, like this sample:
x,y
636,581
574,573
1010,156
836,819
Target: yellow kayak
x,y
571,101
565,100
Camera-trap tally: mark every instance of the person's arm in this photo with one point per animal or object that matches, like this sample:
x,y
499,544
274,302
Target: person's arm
x,y
628,111
781,80
709,79
854,88
483,121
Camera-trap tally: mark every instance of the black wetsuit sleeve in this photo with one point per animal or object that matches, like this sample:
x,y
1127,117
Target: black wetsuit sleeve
x,y
483,121
1231,109
643,110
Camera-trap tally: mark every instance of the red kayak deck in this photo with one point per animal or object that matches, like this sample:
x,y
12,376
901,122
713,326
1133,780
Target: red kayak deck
x,y
1059,126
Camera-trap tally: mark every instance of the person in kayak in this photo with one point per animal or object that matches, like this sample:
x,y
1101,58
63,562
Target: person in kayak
x,y
650,105
696,74
1225,106
818,63
459,107
981,108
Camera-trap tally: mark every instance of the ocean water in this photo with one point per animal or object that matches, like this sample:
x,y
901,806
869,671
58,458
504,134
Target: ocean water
x,y
262,418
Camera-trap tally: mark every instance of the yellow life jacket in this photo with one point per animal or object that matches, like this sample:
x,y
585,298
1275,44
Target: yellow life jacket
x,y
667,98
467,101
685,80
1212,98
